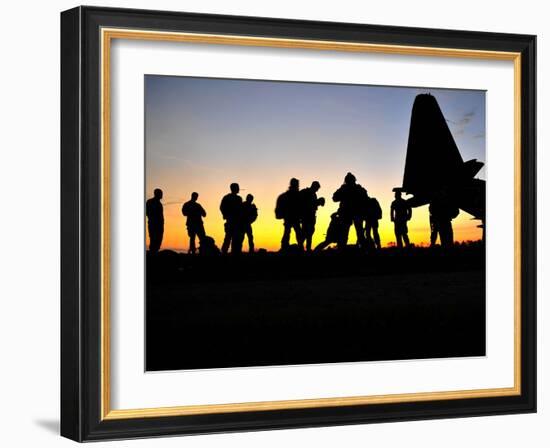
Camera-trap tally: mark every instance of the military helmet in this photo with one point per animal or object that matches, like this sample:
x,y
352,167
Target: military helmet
x,y
349,179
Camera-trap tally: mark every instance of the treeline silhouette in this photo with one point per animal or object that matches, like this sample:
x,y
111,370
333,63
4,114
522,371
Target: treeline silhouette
x,y
297,208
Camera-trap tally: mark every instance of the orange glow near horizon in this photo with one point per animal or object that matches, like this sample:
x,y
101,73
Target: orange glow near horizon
x,y
268,230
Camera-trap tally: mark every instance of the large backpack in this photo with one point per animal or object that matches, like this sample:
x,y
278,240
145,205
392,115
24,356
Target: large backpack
x,y
253,214
376,209
281,206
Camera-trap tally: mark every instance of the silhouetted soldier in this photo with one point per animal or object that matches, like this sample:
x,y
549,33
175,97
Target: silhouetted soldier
x,y
373,213
195,227
231,208
334,232
155,221
401,213
250,213
352,199
442,212
310,203
288,209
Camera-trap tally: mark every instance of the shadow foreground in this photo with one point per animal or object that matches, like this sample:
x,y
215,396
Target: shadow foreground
x,y
274,309
51,426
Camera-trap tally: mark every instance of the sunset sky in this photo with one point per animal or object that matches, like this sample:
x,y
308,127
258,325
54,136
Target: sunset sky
x,y
202,134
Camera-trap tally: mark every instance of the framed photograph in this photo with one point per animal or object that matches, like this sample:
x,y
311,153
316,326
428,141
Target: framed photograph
x,y
271,224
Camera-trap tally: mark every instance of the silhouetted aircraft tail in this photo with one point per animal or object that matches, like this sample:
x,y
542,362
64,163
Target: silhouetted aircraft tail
x,y
434,164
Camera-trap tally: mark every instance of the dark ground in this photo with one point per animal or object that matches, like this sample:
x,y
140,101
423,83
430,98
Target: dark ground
x,y
273,309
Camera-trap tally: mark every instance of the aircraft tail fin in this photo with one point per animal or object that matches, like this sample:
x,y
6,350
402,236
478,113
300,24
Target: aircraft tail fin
x,y
430,145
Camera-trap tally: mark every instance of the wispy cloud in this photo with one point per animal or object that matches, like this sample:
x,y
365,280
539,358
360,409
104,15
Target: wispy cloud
x,y
466,118
460,125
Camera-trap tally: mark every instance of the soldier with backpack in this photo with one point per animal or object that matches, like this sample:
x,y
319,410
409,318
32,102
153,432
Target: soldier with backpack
x,y
194,213
231,208
288,208
373,213
250,213
310,204
351,197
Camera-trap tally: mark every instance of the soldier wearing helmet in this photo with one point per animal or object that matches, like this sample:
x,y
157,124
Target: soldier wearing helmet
x,y
288,208
351,197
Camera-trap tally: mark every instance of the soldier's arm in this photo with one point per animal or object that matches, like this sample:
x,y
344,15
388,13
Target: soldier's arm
x,y
392,212
203,212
